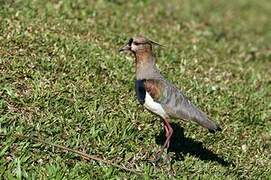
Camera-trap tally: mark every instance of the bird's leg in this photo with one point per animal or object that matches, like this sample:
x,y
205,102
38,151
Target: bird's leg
x,y
168,134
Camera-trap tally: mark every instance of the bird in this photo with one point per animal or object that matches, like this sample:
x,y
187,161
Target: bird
x,y
159,95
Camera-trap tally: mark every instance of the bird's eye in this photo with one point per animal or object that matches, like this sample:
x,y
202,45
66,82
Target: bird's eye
x,y
136,43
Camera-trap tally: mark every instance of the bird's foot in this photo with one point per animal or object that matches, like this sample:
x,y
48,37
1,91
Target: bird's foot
x,y
157,156
155,159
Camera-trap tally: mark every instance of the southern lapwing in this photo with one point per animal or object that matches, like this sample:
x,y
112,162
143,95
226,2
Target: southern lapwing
x,y
158,95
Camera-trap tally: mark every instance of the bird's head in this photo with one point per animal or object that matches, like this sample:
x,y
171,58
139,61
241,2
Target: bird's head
x,y
139,45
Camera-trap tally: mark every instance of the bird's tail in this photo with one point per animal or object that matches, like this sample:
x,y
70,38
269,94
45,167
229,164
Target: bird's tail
x,y
204,121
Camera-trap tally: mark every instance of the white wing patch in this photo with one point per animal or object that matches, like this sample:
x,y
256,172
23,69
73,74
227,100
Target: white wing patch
x,y
154,106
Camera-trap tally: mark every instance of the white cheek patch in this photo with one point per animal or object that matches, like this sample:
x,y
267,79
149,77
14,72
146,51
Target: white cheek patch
x,y
154,106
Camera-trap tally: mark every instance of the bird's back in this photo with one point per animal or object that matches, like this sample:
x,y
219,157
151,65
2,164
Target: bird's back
x,y
177,105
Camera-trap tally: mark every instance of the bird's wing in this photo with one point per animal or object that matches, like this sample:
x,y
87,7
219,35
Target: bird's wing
x,y
167,95
174,102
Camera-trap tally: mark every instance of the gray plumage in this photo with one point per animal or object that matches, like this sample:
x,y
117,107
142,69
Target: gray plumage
x,y
160,96
177,105
173,101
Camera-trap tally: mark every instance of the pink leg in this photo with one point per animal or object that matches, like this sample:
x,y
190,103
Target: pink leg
x,y
168,131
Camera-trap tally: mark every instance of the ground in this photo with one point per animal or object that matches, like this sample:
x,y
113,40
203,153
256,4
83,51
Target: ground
x,y
63,82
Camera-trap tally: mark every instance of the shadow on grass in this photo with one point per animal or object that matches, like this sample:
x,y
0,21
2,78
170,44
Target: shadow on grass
x,y
182,145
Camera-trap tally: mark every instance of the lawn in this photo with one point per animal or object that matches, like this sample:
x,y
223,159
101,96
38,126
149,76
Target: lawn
x,y
63,82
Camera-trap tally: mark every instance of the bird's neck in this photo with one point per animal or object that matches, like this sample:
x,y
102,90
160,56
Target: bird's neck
x,y
145,66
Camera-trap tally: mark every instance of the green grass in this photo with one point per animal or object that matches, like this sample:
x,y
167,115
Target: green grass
x,y
62,80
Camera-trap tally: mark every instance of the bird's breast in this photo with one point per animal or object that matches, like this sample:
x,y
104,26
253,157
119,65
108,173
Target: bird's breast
x,y
140,91
153,106
146,99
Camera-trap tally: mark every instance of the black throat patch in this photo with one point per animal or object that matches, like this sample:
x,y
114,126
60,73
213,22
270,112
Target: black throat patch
x,y
140,91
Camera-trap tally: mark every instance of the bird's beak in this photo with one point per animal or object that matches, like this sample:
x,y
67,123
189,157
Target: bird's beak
x,y
125,48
